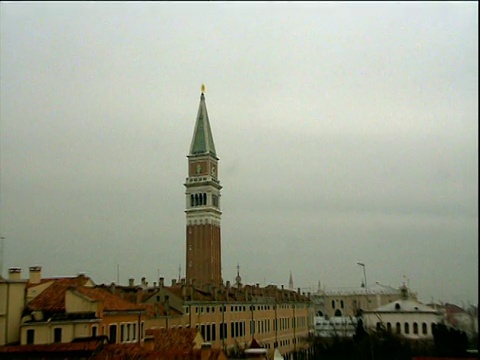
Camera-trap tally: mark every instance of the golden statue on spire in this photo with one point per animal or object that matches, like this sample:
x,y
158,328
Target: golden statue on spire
x,y
204,88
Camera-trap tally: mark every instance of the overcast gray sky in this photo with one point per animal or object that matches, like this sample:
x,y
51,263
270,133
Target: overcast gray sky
x,y
346,132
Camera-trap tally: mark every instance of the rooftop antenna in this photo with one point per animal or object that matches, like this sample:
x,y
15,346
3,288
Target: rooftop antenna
x,y
179,272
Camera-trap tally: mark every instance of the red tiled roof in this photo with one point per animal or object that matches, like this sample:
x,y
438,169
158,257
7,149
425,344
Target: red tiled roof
x,y
137,352
133,294
110,302
88,346
57,278
53,297
123,352
173,340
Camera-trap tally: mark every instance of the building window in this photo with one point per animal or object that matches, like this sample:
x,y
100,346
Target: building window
x,y
207,330
30,336
341,304
214,332
398,328
94,331
333,304
57,335
134,335
122,332
424,328
223,331
128,332
113,334
415,328
407,328
389,327
338,312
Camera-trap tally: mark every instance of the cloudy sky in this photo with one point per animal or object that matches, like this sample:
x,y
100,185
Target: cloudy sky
x,y
346,132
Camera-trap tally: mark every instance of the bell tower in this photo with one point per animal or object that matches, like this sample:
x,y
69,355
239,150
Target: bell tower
x,y
203,204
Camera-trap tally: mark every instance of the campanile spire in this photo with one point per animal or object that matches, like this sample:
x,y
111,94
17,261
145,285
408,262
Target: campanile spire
x,y
203,204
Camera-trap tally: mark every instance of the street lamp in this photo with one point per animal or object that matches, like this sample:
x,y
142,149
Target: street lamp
x,y
364,273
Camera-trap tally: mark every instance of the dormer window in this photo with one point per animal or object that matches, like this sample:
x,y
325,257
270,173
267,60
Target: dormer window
x,y
397,306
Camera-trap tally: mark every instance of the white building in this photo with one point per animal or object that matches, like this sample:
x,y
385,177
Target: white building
x,y
405,316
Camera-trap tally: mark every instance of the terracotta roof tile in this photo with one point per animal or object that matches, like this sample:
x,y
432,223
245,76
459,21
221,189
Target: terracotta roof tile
x,y
173,340
53,297
110,302
89,346
80,277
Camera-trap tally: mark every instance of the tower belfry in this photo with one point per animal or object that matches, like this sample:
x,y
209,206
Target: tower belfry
x,y
203,204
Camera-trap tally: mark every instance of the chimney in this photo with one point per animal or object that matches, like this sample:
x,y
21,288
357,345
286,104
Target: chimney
x,y
206,351
112,288
257,285
35,274
161,282
182,281
298,291
149,342
15,273
138,298
154,284
227,291
282,286
174,282
144,282
131,282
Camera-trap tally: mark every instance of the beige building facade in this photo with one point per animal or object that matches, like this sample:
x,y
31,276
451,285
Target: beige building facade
x,y
12,299
229,318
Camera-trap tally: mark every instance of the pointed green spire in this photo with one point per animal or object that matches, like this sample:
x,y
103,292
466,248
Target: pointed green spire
x,y
202,142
